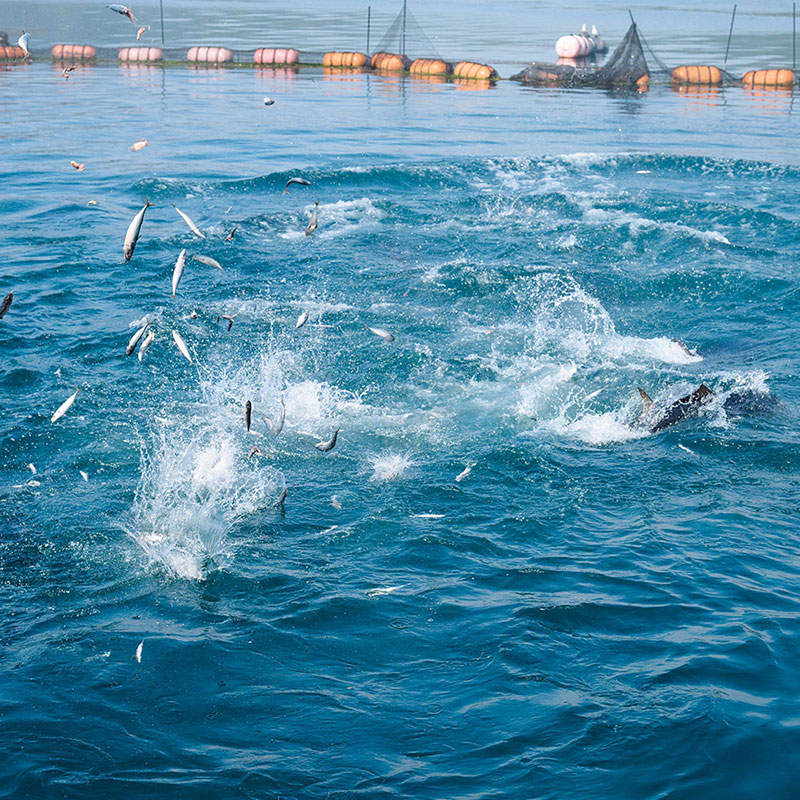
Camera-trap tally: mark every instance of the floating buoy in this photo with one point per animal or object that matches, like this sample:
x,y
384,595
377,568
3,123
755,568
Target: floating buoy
x,y
391,62
139,54
209,55
73,52
337,59
430,66
768,78
469,69
574,46
11,53
697,75
275,55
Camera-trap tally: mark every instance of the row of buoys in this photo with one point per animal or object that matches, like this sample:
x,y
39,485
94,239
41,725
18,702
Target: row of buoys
x,y
11,53
581,45
707,75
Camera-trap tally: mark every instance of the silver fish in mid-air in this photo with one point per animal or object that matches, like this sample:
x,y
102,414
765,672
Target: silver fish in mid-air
x,y
208,261
301,320
123,10
281,498
182,346
248,414
461,475
192,227
312,223
138,654
325,447
230,318
298,181
65,406
177,273
6,304
148,340
135,339
84,475
229,237
281,419
23,42
132,234
384,334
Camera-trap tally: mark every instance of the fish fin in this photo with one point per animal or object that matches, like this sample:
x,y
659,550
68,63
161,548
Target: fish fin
x,y
646,399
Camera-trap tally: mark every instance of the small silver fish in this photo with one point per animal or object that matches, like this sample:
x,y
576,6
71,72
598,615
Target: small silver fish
x,y
192,227
208,261
132,234
461,475
6,304
123,10
312,223
281,419
282,498
384,334
248,414
177,273
182,346
336,503
32,468
84,475
148,340
325,447
136,338
138,655
301,320
298,181
65,406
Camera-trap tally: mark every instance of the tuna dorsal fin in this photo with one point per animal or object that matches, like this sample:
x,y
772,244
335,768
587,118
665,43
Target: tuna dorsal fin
x,y
646,399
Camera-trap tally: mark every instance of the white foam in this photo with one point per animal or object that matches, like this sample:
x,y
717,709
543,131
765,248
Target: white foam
x,y
390,466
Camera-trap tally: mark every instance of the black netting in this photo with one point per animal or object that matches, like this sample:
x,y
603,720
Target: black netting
x,y
625,67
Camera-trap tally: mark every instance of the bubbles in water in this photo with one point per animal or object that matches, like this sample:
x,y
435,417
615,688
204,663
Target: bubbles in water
x,y
390,466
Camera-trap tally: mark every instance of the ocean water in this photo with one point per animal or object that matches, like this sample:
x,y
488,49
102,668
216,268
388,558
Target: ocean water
x,y
497,584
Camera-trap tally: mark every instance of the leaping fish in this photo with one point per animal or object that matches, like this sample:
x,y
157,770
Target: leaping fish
x,y
65,406
134,229
312,223
141,31
281,419
325,447
148,340
138,654
6,304
301,320
192,227
177,273
136,146
298,181
248,414
208,261
136,338
182,346
383,333
282,498
123,10
229,237
461,475
230,318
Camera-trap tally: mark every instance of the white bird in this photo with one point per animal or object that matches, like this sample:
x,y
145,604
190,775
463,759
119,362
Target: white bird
x,y
192,227
23,42
65,406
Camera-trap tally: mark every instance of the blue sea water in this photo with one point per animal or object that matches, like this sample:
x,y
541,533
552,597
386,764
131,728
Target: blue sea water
x,y
590,611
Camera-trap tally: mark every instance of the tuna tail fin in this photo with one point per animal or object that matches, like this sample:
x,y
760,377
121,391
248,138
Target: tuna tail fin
x,y
147,203
646,399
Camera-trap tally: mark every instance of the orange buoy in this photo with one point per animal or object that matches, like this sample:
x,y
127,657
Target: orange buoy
x,y
11,53
469,69
697,75
430,66
139,54
275,55
391,62
209,55
643,84
768,77
73,52
351,60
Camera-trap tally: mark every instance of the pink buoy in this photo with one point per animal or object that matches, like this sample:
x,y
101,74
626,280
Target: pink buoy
x,y
572,46
139,54
209,55
275,55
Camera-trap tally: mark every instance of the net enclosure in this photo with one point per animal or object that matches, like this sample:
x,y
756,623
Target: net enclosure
x,y
626,68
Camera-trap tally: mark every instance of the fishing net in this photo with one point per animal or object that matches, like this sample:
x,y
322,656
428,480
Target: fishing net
x,y
625,67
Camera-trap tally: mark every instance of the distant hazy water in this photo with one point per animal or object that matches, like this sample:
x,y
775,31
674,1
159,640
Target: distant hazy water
x,y
591,612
